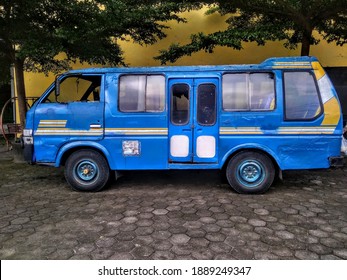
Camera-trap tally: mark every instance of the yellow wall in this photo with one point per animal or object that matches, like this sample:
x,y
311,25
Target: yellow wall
x,y
136,55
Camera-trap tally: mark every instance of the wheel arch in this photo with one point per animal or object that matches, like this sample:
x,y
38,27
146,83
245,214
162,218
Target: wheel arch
x,y
68,149
253,148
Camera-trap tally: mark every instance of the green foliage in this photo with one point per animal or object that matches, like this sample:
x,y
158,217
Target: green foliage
x,y
292,21
4,71
36,31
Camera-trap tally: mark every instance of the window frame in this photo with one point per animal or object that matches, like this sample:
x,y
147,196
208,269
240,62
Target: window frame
x,y
248,73
52,89
189,104
317,90
146,75
215,104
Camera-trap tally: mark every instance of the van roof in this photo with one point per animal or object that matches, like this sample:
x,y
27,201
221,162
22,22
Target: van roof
x,y
294,62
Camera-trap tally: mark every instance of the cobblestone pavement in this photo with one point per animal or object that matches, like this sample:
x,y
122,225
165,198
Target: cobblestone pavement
x,y
170,215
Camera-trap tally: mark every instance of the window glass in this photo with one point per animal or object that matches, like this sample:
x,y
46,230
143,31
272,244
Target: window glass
x,y
206,104
262,91
77,88
245,92
141,93
301,96
155,101
180,104
235,91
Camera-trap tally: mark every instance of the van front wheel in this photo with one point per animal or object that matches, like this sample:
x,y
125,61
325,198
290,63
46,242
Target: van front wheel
x,y
250,172
87,170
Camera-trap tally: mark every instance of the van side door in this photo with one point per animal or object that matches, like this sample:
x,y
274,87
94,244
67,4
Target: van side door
x,y
193,125
75,115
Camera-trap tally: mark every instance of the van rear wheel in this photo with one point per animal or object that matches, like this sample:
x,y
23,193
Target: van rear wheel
x,y
250,172
87,170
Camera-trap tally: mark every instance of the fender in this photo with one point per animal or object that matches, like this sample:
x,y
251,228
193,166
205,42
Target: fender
x,y
255,146
83,144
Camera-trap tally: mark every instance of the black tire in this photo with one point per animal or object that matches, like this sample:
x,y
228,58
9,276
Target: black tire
x,y
87,170
250,172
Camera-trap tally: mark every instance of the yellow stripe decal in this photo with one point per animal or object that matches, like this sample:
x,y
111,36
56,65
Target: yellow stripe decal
x,y
52,123
331,112
318,70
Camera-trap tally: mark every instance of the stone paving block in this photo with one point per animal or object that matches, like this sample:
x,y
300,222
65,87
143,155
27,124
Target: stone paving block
x,y
125,236
161,245
211,228
105,242
306,255
341,253
61,254
207,220
127,227
142,252
225,223
101,254
215,237
177,229
329,257
284,234
199,242
84,249
203,255
162,255
124,246
148,217
143,240
196,233
160,212
257,223
179,238
182,249
220,247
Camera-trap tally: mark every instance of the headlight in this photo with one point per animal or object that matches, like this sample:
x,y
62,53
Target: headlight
x,y
27,132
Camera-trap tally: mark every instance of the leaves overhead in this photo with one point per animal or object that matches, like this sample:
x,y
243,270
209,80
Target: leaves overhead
x,y
292,21
4,71
36,31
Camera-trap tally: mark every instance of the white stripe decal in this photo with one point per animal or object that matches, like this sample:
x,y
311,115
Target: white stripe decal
x,y
136,131
94,132
280,130
240,130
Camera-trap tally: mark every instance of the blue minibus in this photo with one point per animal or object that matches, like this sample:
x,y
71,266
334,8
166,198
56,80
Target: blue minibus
x,y
250,121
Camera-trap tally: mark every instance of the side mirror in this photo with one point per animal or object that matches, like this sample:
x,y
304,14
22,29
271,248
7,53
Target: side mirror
x,y
57,85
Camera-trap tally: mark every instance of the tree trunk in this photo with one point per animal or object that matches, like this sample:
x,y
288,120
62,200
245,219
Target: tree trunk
x,y
20,86
306,43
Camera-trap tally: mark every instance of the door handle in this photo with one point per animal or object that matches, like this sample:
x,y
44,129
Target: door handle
x,y
95,126
186,129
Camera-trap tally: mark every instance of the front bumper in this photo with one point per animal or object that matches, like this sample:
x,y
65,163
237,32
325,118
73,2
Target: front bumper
x,y
28,149
336,161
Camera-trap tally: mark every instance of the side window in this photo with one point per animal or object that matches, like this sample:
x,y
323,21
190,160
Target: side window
x,y
248,92
206,104
142,93
262,91
180,104
301,96
77,88
235,92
